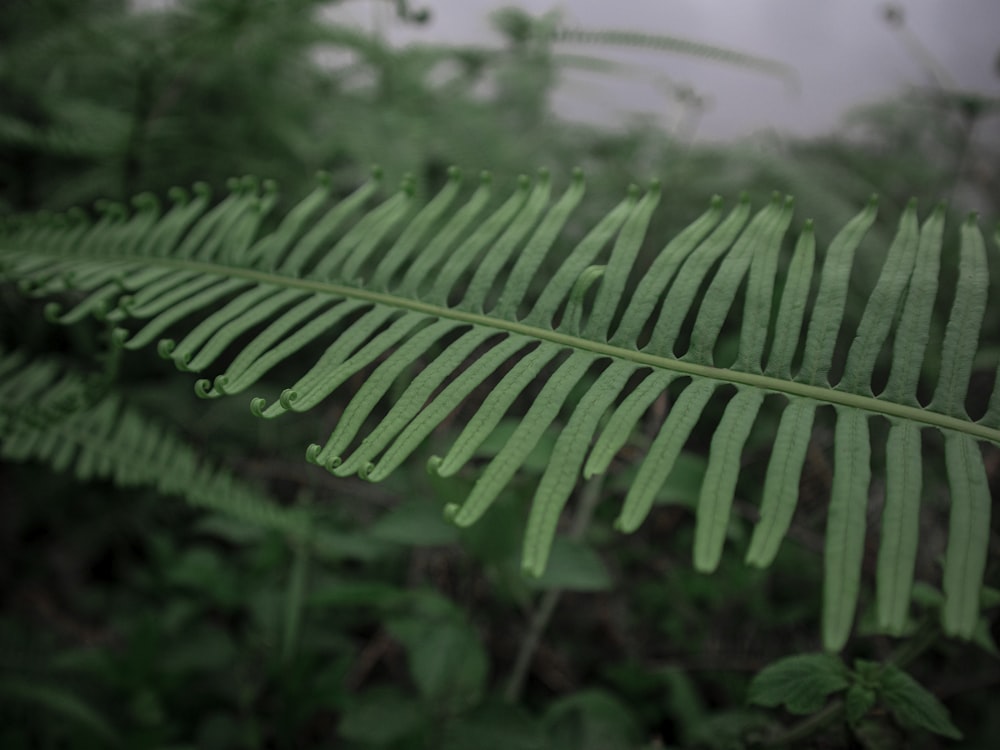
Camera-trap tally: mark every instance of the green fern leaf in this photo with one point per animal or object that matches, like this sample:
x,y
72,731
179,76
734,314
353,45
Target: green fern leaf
x,y
454,298
53,415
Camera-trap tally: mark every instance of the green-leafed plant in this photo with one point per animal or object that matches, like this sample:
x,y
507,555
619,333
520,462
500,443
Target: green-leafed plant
x,y
722,389
442,301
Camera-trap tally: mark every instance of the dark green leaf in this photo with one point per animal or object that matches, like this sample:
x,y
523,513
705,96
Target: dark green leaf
x,y
590,720
447,661
800,683
913,705
417,522
858,701
60,702
575,567
495,727
379,716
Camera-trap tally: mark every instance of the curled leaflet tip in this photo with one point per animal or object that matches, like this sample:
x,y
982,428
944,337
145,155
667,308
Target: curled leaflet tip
x,y
203,388
165,348
433,463
145,202
52,311
119,336
182,362
257,406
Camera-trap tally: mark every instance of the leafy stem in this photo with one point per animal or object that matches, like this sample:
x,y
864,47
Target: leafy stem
x,y
835,711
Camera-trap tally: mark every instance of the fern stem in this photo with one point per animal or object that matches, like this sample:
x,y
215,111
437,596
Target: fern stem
x,y
295,600
821,394
590,496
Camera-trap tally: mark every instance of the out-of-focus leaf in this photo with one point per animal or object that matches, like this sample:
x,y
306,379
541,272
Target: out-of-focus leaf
x,y
447,661
62,702
379,716
495,726
800,683
573,566
590,720
417,522
859,701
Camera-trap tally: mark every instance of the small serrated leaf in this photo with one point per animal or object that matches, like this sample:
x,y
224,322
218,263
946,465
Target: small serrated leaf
x,y
858,702
801,683
913,705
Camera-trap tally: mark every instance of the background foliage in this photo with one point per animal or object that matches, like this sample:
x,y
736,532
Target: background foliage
x,y
133,619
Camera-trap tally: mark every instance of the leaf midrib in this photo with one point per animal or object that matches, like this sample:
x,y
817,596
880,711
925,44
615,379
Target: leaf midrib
x,y
819,394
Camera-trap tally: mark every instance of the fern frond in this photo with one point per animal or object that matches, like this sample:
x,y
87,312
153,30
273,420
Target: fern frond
x,y
51,414
434,303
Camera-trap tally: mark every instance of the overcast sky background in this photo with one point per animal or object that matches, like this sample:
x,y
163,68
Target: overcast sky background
x,y
842,50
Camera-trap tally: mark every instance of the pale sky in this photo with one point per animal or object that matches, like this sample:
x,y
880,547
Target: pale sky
x,y
842,50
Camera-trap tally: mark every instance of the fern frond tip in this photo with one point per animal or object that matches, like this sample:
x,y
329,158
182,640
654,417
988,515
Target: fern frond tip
x,y
119,337
165,348
312,453
178,195
203,388
433,463
145,202
366,471
52,312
